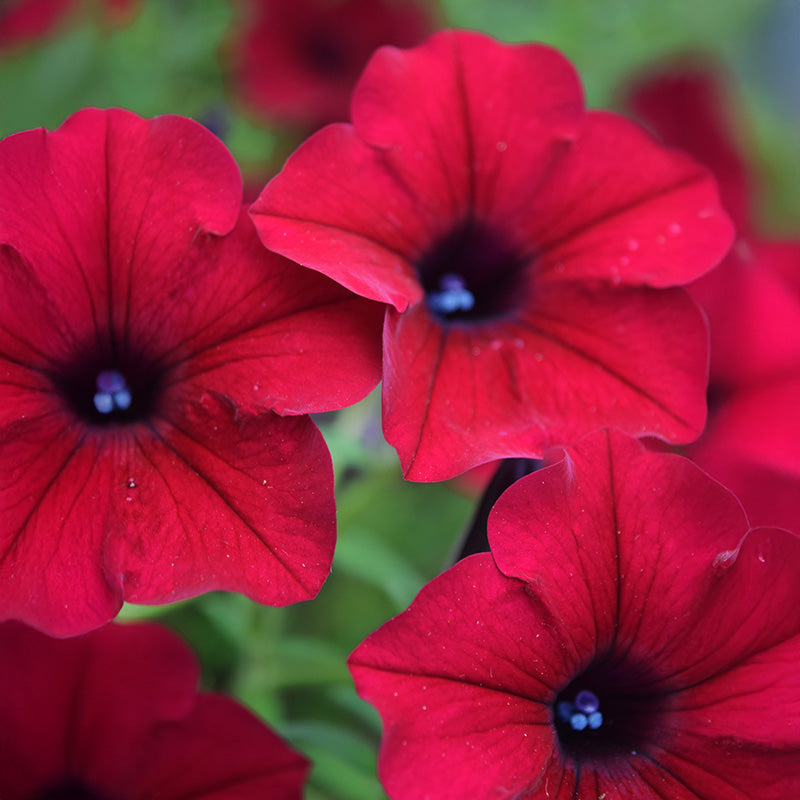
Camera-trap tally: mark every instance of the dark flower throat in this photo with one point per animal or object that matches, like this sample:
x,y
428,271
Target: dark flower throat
x,y
473,274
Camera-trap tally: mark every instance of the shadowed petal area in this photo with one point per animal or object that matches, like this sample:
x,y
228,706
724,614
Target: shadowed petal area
x,y
221,750
298,62
57,695
457,394
634,608
687,105
475,195
116,714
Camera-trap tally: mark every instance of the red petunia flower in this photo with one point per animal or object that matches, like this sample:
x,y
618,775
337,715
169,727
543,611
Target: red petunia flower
x,y
297,62
156,367
752,300
529,251
24,20
628,638
116,715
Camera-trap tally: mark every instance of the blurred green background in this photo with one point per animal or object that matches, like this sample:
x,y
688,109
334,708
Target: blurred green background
x,y
288,665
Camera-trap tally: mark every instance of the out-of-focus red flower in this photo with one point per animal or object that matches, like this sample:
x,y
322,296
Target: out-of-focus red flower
x,y
157,367
530,253
627,638
752,442
24,20
116,715
297,62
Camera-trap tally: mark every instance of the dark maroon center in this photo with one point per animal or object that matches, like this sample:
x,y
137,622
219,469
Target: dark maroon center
x,y
103,390
327,52
69,789
602,714
473,274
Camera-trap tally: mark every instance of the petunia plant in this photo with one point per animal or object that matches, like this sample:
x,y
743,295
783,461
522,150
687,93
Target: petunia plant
x,y
397,449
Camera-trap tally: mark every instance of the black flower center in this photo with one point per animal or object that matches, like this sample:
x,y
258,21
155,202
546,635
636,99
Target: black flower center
x,y
103,390
326,52
472,274
603,714
69,789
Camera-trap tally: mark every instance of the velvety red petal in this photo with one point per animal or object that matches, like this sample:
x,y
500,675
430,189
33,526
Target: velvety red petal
x,y
619,207
461,690
208,499
258,328
770,495
633,564
456,396
57,480
687,106
222,500
83,705
459,145
656,561
218,751
111,188
335,208
117,710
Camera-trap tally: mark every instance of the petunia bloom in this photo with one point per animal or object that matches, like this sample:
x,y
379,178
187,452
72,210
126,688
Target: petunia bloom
x,y
627,638
157,366
530,253
116,715
297,62
752,441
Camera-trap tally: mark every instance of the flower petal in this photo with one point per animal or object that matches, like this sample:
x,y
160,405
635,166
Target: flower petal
x,y
461,146
335,208
58,694
619,207
277,337
210,499
224,500
220,750
656,558
457,396
87,195
667,98
462,715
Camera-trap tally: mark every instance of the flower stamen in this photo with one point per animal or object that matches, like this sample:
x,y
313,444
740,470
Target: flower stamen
x,y
452,296
112,393
582,713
